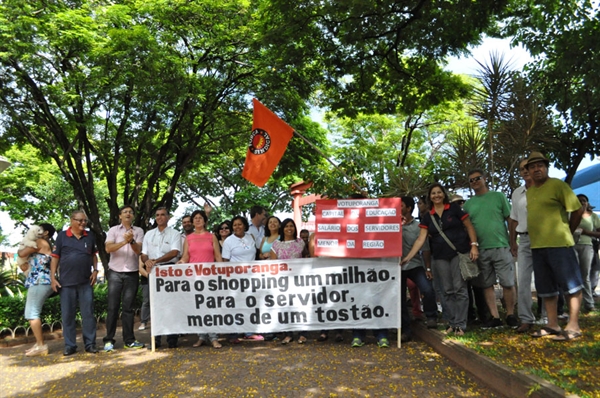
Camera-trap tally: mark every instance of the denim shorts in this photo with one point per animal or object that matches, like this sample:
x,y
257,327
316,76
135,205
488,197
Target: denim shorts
x,y
556,268
36,296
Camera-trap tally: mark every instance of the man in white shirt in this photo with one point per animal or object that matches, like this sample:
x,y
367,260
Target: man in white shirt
x,y
161,246
517,226
257,216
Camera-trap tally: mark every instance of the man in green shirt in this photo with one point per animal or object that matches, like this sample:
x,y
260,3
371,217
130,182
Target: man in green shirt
x,y
489,212
555,266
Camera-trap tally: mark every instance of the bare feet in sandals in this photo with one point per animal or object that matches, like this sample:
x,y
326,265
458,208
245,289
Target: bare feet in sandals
x,y
198,343
546,332
216,344
286,340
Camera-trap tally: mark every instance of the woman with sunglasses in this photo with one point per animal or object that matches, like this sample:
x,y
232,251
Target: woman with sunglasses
x,y
223,232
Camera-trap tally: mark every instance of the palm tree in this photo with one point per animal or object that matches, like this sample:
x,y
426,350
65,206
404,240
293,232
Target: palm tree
x,y
492,97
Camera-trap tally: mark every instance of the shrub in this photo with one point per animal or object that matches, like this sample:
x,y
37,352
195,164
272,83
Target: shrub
x,y
12,308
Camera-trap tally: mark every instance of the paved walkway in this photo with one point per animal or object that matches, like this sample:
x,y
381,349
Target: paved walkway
x,y
251,369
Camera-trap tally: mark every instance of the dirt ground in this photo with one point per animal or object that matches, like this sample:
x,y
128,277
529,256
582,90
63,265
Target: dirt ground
x,y
250,369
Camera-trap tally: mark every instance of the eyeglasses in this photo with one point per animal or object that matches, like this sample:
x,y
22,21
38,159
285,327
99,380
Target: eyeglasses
x,y
472,180
127,211
224,229
80,220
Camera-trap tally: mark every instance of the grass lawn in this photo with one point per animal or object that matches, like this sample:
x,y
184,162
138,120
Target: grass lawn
x,y
572,365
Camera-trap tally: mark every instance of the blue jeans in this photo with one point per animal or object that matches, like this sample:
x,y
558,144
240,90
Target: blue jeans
x,y
69,295
419,277
556,270
122,289
362,334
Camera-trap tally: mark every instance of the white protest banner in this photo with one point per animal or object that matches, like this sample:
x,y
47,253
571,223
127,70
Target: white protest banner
x,y
274,296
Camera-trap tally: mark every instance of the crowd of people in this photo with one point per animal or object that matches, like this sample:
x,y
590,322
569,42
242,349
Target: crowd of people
x,y
550,231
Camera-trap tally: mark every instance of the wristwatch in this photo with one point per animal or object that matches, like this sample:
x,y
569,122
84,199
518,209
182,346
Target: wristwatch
x,y
132,242
474,244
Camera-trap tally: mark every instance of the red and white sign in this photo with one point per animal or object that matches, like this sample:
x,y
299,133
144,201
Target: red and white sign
x,y
359,228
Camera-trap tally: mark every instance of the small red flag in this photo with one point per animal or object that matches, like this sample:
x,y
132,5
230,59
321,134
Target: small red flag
x,y
269,139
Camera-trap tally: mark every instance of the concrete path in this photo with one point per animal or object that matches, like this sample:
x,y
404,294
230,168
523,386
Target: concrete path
x,y
250,369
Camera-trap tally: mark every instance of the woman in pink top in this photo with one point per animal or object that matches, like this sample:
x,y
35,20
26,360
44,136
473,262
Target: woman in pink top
x,y
202,247
287,247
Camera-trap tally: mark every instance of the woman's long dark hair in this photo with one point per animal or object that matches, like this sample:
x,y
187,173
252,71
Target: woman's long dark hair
x,y
437,184
282,226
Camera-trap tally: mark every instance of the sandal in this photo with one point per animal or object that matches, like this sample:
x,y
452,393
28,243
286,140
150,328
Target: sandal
x,y
545,332
287,340
216,344
339,338
301,340
198,343
322,337
567,335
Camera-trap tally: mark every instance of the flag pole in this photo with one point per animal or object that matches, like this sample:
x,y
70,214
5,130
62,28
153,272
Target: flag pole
x,y
329,160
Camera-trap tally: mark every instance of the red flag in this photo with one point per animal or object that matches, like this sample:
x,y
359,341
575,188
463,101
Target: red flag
x,y
269,139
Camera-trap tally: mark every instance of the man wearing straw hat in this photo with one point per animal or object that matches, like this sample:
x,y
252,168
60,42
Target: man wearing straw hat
x,y
555,266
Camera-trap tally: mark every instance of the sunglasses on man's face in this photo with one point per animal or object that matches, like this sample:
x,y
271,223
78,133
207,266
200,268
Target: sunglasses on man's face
x,y
472,180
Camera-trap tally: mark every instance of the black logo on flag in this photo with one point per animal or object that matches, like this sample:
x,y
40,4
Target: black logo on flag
x,y
260,142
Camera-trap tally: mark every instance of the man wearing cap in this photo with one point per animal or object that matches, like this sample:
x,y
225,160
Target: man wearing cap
x,y
549,202
489,211
517,226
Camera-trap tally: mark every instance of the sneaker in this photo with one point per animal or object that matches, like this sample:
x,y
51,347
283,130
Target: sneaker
x,y
512,321
108,346
37,350
383,343
136,345
357,342
493,323
142,326
542,321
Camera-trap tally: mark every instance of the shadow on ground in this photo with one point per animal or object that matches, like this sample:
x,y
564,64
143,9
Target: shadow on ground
x,y
251,369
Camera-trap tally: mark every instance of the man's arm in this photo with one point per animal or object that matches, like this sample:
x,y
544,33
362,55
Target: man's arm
x,y
94,270
53,269
512,236
138,238
167,257
575,219
427,261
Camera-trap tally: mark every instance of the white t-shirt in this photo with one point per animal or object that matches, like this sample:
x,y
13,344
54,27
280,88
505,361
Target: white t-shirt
x,y
518,211
238,249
